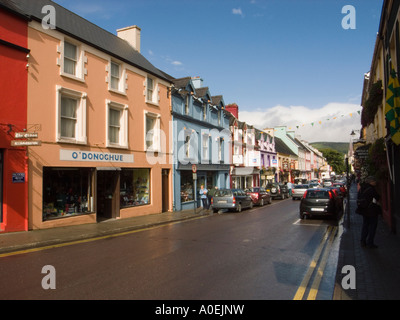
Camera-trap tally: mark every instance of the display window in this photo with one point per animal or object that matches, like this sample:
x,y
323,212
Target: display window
x,y
186,186
67,192
134,187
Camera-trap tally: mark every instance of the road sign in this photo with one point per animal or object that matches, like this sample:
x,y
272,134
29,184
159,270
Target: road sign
x,y
194,168
25,143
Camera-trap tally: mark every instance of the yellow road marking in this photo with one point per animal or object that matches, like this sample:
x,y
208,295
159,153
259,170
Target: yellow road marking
x,y
304,284
312,295
58,245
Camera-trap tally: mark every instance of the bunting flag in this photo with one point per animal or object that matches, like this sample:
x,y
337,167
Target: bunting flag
x,y
320,122
392,106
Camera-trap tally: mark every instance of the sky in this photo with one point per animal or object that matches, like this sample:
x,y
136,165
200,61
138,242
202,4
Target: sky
x,y
293,63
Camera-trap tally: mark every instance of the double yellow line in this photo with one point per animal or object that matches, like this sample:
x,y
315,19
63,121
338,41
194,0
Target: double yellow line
x,y
317,265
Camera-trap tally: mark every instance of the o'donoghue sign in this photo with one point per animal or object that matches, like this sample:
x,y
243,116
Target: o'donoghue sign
x,y
76,155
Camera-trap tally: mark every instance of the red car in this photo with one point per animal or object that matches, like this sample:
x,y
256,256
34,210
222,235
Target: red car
x,y
341,186
259,196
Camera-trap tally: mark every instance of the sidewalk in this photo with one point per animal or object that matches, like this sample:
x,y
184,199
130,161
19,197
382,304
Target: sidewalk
x,y
16,241
377,270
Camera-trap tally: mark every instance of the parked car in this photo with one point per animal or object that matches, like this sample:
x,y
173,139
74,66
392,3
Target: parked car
x,y
314,185
298,191
259,196
318,202
338,195
231,199
327,183
278,190
341,186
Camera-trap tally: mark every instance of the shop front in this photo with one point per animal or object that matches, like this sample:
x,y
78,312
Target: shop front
x,y
92,187
208,175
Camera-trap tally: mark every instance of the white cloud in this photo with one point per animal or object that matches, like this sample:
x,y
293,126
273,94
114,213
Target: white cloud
x,y
237,11
176,63
333,122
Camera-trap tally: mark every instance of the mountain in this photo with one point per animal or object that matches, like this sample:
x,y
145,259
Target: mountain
x,y
342,147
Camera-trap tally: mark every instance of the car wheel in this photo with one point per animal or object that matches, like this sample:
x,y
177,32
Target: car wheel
x,y
270,200
283,196
261,202
251,204
301,216
215,210
239,208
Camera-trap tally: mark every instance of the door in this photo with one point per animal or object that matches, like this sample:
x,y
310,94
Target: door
x,y
165,190
107,194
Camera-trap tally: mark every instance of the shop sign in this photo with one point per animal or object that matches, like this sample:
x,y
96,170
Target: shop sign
x,y
26,135
25,143
76,155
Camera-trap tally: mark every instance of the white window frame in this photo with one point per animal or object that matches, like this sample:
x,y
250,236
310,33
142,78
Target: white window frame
x,y
80,129
123,124
156,146
81,59
122,77
154,97
205,146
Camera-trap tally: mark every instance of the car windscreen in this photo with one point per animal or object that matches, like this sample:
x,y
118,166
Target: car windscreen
x,y
317,194
301,186
223,193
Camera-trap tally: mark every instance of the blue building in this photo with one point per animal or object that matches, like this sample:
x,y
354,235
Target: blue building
x,y
201,137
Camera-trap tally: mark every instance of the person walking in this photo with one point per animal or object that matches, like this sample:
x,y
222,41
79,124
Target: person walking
x,y
203,196
369,208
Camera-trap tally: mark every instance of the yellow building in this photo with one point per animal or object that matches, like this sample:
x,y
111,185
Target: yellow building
x,y
381,141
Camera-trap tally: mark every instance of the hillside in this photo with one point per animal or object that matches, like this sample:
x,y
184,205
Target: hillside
x,y
342,147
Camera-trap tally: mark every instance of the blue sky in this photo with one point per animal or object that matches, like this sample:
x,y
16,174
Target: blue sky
x,y
284,62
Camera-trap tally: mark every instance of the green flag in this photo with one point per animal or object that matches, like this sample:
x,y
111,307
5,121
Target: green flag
x,y
392,106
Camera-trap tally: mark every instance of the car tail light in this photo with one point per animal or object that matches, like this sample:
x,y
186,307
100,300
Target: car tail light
x,y
304,195
212,200
234,200
330,195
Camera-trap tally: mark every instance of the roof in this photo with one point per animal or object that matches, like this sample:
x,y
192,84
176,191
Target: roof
x,y
83,30
281,147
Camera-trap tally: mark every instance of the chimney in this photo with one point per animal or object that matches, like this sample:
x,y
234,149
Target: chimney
x,y
233,108
197,82
131,35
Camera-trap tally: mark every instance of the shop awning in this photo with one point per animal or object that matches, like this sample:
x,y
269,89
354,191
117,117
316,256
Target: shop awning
x,y
245,171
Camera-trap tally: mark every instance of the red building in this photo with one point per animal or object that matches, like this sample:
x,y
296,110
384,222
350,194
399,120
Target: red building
x,y
13,115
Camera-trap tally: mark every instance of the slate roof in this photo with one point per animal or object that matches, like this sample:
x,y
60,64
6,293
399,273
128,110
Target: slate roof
x,y
83,30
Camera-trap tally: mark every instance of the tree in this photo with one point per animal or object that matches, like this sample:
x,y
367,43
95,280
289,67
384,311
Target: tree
x,y
335,159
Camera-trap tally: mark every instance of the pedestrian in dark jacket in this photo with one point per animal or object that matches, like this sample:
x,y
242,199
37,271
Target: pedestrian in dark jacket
x,y
369,213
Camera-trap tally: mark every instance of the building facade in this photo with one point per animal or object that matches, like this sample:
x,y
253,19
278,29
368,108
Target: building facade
x,y
201,141
379,153
104,137
14,54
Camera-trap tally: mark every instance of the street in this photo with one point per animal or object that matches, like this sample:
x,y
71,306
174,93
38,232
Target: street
x,y
259,254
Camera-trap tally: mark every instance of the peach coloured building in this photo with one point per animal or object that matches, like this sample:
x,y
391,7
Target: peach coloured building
x,y
101,112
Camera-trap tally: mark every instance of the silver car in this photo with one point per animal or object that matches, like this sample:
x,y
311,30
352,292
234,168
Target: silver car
x,y
298,191
231,199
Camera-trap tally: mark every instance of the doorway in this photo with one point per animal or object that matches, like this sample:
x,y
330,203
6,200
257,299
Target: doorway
x,y
107,206
165,190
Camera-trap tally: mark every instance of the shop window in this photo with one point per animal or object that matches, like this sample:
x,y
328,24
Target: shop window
x,y
67,192
186,186
134,187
